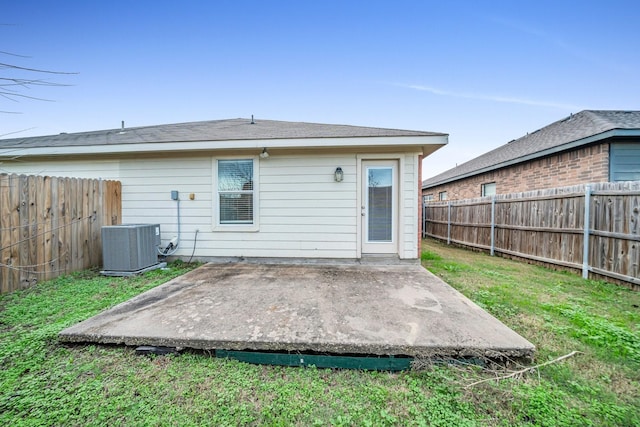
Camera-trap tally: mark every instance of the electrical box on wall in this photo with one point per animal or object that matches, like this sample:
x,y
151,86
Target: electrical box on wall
x,y
174,195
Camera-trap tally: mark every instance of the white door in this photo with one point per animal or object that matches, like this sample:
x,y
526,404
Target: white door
x,y
379,207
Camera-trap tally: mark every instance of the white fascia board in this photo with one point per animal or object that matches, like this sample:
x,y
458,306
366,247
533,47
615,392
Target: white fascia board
x,y
397,142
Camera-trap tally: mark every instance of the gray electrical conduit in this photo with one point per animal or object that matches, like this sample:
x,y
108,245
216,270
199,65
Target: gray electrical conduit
x,y
168,251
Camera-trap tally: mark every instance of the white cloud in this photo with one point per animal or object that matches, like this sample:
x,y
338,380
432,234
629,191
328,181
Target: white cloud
x,y
493,98
593,58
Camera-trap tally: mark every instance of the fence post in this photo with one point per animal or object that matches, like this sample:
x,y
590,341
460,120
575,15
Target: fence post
x,y
493,224
448,223
424,220
585,238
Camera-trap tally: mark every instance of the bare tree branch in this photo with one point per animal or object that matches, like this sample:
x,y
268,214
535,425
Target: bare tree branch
x,y
35,70
32,82
13,54
16,131
11,87
8,95
517,374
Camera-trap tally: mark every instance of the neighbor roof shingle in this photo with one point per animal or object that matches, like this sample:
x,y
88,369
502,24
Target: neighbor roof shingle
x,y
572,129
213,130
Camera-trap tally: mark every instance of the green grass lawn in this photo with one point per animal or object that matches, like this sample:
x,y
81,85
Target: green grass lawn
x,y
43,382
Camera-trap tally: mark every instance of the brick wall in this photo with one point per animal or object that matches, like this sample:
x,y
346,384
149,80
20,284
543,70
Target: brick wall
x,y
583,165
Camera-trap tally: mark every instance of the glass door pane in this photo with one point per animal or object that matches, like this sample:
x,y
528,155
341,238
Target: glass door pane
x,y
380,204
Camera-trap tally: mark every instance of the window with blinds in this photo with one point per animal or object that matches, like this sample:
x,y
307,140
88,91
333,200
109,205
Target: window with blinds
x,y
488,189
624,161
235,191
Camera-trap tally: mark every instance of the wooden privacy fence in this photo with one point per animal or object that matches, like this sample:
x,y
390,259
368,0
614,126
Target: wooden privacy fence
x,y
548,226
52,226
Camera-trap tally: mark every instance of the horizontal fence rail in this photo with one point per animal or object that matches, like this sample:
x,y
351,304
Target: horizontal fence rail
x,y
51,226
548,226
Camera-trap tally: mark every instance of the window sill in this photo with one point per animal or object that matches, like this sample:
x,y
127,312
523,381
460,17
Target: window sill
x,y
252,228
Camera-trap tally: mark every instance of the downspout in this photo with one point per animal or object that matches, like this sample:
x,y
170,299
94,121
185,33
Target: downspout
x,y
420,209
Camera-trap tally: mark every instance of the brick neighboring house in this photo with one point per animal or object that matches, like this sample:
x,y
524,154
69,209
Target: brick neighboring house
x,y
590,146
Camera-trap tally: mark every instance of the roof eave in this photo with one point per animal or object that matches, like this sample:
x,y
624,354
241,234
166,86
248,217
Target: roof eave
x,y
568,146
422,143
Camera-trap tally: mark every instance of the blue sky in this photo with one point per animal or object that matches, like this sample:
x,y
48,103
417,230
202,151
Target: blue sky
x,y
484,72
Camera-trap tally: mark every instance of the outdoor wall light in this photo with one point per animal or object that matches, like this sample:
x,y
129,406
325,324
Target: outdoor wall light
x,y
338,175
264,153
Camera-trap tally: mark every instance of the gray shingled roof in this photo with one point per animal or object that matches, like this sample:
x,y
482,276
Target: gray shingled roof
x,y
578,129
213,130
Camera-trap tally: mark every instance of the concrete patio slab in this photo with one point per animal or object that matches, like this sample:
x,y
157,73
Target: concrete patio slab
x,y
339,309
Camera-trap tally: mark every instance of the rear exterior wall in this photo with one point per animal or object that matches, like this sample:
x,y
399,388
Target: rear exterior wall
x,y
303,212
583,165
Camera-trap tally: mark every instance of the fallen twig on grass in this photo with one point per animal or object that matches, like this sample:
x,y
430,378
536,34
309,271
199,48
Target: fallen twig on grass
x,y
524,371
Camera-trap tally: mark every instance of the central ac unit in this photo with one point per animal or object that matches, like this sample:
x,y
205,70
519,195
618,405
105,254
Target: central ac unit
x,y
130,247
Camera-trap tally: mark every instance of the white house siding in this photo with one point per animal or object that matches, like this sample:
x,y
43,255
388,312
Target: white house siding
x,y
303,212
146,196
409,220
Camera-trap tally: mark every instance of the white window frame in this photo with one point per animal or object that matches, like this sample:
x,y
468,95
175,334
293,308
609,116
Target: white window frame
x,y
427,198
255,225
483,189
440,194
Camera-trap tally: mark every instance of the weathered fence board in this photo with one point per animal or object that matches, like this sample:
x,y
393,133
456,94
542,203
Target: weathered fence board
x,y
51,226
548,226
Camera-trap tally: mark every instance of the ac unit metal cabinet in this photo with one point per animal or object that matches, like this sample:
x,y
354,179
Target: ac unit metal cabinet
x,y
130,247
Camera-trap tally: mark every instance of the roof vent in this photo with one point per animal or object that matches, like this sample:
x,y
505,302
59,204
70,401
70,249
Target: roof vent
x,y
122,128
252,121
